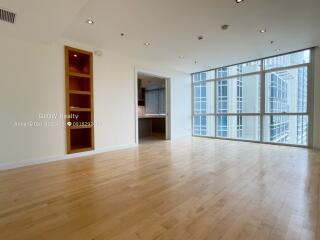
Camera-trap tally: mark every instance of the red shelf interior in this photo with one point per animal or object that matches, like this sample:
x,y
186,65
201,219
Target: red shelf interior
x,y
80,101
79,62
79,84
80,138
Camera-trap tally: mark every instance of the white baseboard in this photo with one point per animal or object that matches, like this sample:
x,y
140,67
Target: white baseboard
x,y
29,162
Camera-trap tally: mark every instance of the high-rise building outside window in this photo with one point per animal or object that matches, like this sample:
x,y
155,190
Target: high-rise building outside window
x,y
228,101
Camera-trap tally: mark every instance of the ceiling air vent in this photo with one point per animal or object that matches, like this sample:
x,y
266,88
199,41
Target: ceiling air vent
x,y
7,16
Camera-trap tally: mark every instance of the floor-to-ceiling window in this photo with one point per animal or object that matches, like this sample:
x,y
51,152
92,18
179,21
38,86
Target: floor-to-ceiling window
x,y
264,100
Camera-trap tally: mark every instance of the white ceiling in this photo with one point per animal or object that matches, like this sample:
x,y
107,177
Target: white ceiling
x,y
172,27
44,20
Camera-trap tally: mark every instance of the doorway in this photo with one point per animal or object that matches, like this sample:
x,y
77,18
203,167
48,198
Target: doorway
x,y
152,104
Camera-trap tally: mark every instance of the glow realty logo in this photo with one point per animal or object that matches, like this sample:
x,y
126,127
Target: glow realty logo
x,y
48,120
58,116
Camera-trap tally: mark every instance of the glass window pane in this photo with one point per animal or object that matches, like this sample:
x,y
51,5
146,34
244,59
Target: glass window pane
x,y
202,76
287,60
239,95
210,74
286,129
204,125
204,98
287,91
243,68
239,127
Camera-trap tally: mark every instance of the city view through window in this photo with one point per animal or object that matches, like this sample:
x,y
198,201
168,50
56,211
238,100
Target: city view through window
x,y
264,100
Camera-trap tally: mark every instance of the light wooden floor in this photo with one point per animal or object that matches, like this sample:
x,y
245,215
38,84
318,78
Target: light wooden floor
x,y
188,189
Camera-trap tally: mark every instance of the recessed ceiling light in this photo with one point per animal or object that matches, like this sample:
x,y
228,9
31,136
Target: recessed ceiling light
x,y
147,44
278,50
263,30
239,1
75,55
225,27
90,21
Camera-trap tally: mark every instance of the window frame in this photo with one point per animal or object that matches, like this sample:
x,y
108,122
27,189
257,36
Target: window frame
x,y
262,114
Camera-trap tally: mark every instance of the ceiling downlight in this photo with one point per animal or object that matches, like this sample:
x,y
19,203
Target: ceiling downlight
x,y
90,21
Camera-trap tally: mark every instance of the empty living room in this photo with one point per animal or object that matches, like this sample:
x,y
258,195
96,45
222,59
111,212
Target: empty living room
x,y
160,120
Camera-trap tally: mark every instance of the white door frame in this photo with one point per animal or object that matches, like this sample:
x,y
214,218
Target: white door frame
x,y
168,101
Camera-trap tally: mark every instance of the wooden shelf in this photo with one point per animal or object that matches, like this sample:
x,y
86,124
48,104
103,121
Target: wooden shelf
x,y
79,99
78,109
80,92
80,127
81,75
81,117
81,149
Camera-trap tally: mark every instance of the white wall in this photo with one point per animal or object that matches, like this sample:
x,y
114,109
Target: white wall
x,y
32,82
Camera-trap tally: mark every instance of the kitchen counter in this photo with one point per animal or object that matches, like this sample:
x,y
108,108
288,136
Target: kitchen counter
x,y
150,124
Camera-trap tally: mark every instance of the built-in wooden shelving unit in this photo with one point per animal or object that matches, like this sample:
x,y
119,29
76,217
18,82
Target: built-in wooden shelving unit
x,y
79,100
